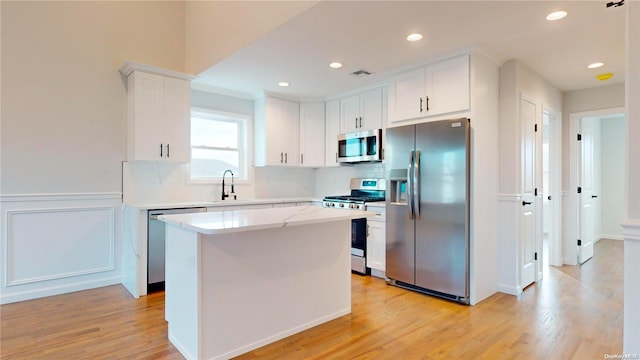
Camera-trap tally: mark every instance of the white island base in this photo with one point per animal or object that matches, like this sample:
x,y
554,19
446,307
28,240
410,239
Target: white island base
x,y
243,286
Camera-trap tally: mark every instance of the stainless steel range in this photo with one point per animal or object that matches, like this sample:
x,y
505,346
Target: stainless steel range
x,y
363,191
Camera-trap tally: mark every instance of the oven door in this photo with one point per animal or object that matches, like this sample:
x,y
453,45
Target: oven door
x,y
362,146
359,247
359,237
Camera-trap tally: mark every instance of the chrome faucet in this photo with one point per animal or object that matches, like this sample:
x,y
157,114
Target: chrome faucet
x,y
224,195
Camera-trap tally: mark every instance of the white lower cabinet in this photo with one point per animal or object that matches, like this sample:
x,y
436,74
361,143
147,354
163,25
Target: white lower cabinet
x,y
376,242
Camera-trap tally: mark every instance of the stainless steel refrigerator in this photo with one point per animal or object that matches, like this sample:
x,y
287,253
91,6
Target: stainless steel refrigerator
x,y
427,236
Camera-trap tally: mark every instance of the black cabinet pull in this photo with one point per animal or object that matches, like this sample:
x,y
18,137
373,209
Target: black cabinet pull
x,y
594,196
526,203
420,104
160,150
285,158
356,122
301,159
549,197
168,150
281,158
427,103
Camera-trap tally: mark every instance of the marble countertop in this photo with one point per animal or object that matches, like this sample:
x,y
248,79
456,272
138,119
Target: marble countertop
x,y
217,203
222,222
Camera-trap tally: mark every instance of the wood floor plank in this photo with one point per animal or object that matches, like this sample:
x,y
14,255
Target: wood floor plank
x,y
575,312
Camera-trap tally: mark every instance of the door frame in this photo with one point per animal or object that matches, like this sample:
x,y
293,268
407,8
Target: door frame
x,y
571,221
555,181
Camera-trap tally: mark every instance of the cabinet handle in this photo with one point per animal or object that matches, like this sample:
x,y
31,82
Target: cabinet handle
x,y
524,203
301,159
427,103
356,122
420,104
285,158
360,121
336,158
594,196
160,150
167,150
281,158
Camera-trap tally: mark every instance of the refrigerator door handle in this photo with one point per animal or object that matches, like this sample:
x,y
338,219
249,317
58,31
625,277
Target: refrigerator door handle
x,y
410,171
416,184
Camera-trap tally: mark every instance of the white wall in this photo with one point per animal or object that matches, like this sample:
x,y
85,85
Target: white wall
x,y
517,81
216,29
612,193
598,98
63,135
64,103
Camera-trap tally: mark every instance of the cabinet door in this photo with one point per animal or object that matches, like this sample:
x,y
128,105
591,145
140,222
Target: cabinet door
x,y
273,128
448,86
146,124
312,134
332,130
371,110
290,133
407,96
177,120
350,114
376,247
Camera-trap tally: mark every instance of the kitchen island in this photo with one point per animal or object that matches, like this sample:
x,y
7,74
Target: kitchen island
x,y
238,280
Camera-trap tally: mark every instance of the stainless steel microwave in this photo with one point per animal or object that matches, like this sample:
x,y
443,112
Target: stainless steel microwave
x,y
361,146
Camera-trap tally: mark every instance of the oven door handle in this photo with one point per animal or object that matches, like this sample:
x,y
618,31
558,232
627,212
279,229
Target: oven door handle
x,y
410,189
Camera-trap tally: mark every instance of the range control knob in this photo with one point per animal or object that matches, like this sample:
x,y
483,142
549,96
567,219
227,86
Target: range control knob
x,y
341,205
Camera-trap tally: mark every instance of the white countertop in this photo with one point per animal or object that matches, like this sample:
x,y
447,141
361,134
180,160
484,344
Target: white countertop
x,y
222,222
217,203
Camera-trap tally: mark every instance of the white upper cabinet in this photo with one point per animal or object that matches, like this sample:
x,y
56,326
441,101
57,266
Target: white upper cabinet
x,y
158,114
312,141
435,89
361,112
332,130
277,132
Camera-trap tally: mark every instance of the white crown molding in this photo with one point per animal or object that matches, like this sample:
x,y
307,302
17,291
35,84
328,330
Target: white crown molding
x,y
129,66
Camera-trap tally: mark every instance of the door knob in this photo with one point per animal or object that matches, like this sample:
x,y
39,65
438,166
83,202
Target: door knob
x,y
526,203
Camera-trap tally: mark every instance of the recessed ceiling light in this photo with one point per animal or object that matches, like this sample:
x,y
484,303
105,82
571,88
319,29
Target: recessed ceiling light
x,y
283,84
414,37
595,65
335,65
556,15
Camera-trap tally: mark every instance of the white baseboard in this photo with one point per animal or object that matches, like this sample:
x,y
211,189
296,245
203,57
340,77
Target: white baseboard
x,y
611,237
57,290
510,290
378,274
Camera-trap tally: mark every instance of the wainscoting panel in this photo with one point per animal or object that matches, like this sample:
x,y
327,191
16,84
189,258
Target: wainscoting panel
x,y
45,244
58,243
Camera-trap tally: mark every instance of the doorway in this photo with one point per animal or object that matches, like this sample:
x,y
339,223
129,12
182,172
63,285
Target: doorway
x,y
590,151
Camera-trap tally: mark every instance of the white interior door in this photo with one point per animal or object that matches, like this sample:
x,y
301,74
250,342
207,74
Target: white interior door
x,y
528,118
587,215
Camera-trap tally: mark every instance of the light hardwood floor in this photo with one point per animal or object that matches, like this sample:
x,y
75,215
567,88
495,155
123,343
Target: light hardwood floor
x,y
573,313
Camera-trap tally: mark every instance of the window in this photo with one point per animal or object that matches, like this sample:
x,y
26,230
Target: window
x,y
218,143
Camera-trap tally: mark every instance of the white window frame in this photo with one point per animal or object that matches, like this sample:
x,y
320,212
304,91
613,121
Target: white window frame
x,y
244,144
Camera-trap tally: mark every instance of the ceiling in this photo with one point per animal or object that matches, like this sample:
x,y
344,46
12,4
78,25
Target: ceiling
x,y
371,35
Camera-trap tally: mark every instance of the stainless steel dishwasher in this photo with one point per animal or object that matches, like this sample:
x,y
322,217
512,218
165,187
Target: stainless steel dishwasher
x,y
156,245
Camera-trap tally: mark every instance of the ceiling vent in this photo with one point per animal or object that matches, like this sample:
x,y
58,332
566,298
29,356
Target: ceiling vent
x,y
361,73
